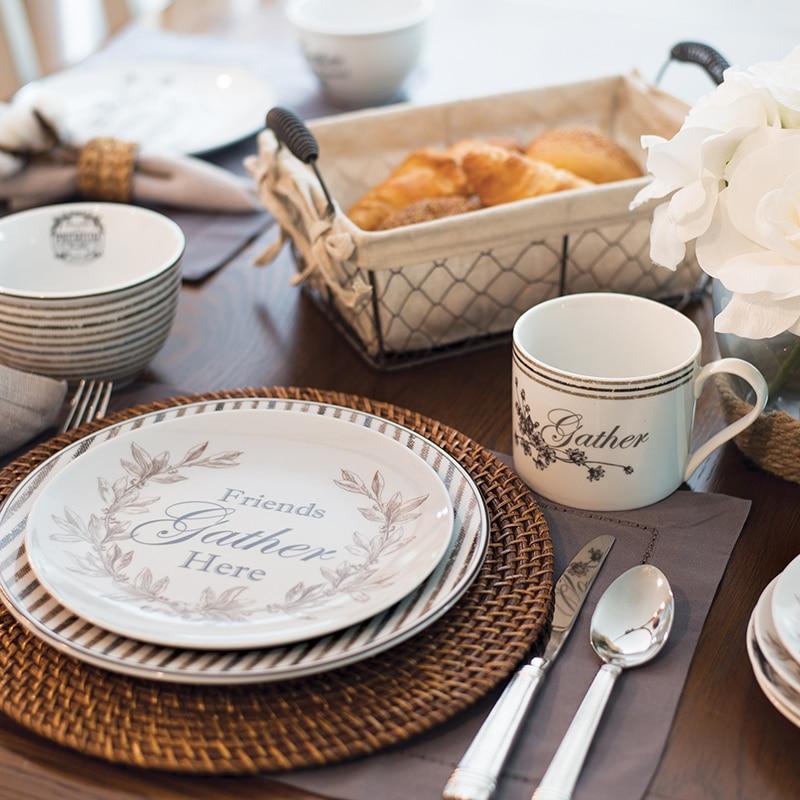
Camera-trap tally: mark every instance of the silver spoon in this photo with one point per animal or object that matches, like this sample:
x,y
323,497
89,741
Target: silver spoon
x,y
629,626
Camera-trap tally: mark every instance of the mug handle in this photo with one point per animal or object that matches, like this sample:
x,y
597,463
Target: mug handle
x,y
746,371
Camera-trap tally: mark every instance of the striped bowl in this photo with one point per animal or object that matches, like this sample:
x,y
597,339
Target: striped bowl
x,y
87,290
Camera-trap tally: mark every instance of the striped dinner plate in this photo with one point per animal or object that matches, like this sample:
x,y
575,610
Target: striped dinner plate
x,y
45,617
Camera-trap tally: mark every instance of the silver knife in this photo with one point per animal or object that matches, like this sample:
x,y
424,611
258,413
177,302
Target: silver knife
x,y
475,777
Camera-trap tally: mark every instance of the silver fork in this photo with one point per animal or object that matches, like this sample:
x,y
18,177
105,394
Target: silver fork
x,y
89,402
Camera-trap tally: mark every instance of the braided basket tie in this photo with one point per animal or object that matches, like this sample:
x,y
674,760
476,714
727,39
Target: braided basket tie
x,y
105,169
772,441
321,719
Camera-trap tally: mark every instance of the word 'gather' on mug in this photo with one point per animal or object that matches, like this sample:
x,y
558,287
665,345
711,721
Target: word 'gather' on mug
x,y
603,400
566,428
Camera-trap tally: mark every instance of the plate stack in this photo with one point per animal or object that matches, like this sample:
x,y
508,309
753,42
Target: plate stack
x,y
242,540
773,642
87,290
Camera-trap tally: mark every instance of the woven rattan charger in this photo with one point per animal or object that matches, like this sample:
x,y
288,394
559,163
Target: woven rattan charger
x,y
317,720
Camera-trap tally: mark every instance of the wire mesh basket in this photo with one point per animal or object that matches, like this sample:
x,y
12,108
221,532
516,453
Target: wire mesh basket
x,y
432,310
435,288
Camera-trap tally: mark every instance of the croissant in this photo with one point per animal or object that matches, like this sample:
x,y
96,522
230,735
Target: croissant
x,y
464,146
499,176
424,174
585,152
428,209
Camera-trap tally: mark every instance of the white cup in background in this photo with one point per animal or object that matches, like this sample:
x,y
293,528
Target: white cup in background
x,y
604,390
361,50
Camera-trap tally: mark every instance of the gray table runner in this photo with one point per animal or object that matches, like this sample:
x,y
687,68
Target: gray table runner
x,y
690,537
213,238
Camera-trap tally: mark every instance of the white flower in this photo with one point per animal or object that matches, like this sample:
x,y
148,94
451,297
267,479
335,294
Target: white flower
x,y
782,79
742,100
753,242
691,164
731,182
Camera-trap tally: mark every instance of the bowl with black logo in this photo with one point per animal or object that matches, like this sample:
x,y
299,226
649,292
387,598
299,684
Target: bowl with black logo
x,y
87,290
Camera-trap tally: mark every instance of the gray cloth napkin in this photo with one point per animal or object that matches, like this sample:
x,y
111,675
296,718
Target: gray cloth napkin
x,y
214,238
29,404
690,538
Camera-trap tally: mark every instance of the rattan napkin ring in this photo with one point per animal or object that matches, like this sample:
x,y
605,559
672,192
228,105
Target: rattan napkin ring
x,y
105,169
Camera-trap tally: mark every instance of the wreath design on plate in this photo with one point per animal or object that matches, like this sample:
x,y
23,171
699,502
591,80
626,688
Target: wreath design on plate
x,y
106,531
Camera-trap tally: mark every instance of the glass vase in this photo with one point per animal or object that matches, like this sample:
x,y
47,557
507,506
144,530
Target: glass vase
x,y
777,358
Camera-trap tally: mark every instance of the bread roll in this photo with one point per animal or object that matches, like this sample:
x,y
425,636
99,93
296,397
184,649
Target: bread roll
x,y
585,153
498,176
428,209
424,174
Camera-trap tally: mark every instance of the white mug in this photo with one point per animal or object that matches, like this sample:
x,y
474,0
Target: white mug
x,y
604,389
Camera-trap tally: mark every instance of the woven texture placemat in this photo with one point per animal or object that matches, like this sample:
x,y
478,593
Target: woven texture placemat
x,y
317,720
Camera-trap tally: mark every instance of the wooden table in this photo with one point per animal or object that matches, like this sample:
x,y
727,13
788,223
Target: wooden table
x,y
244,326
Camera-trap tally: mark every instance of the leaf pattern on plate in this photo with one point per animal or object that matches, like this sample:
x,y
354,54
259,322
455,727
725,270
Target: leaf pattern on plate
x,y
105,532
367,570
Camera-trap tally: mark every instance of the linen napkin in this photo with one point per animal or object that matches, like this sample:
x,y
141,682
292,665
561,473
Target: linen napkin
x,y
213,238
29,404
37,168
689,537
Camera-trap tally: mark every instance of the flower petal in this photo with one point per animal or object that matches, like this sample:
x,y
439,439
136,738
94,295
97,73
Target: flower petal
x,y
782,78
743,265
655,189
761,271
756,174
692,207
718,150
721,242
666,246
757,316
677,162
740,100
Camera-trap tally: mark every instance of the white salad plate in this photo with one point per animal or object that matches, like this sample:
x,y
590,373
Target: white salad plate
x,y
769,642
164,106
778,692
44,616
786,608
247,528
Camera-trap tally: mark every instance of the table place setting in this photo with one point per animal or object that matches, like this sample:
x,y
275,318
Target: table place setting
x,y
506,574
628,744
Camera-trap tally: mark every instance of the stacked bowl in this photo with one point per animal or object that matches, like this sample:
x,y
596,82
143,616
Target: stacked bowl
x,y
87,290
773,642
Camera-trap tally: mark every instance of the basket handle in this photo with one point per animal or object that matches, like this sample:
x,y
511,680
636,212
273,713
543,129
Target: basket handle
x,y
705,56
291,131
